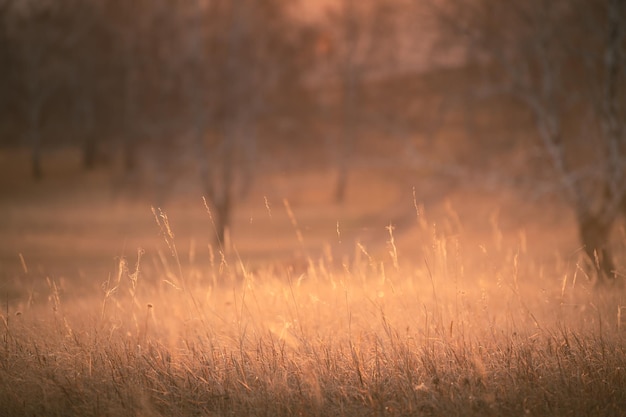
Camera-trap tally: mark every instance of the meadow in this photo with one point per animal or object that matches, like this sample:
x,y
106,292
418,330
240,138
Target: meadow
x,y
404,301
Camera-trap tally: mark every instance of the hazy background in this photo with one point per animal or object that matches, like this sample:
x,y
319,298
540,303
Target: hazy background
x,y
308,126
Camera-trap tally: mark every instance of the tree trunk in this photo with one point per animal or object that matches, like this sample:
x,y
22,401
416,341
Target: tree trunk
x,y
35,141
130,113
222,222
90,151
90,141
223,203
36,161
342,182
348,137
130,153
594,234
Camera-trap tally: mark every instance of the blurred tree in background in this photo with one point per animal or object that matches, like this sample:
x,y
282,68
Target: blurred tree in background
x,y
361,36
51,84
563,63
255,60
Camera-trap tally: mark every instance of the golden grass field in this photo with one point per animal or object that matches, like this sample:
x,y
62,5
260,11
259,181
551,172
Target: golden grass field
x,y
473,304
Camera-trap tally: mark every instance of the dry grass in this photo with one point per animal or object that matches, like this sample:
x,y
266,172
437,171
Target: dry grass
x,y
370,334
468,309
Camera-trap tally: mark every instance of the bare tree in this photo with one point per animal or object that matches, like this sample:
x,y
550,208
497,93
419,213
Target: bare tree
x,y
362,35
252,46
55,44
198,78
563,62
9,75
122,24
37,36
86,74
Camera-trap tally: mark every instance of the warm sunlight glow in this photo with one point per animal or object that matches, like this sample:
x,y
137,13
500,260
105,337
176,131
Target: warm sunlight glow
x,y
310,208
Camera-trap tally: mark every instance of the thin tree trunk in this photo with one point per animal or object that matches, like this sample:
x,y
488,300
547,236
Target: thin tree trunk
x,y
35,141
220,199
90,143
36,159
130,115
594,235
222,223
130,154
230,127
90,150
350,74
348,137
224,201
595,230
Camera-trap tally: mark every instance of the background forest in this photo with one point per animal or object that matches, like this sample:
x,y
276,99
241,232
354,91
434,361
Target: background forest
x,y
225,100
220,98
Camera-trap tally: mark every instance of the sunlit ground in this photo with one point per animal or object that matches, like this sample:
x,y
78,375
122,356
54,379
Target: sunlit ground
x,y
472,303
